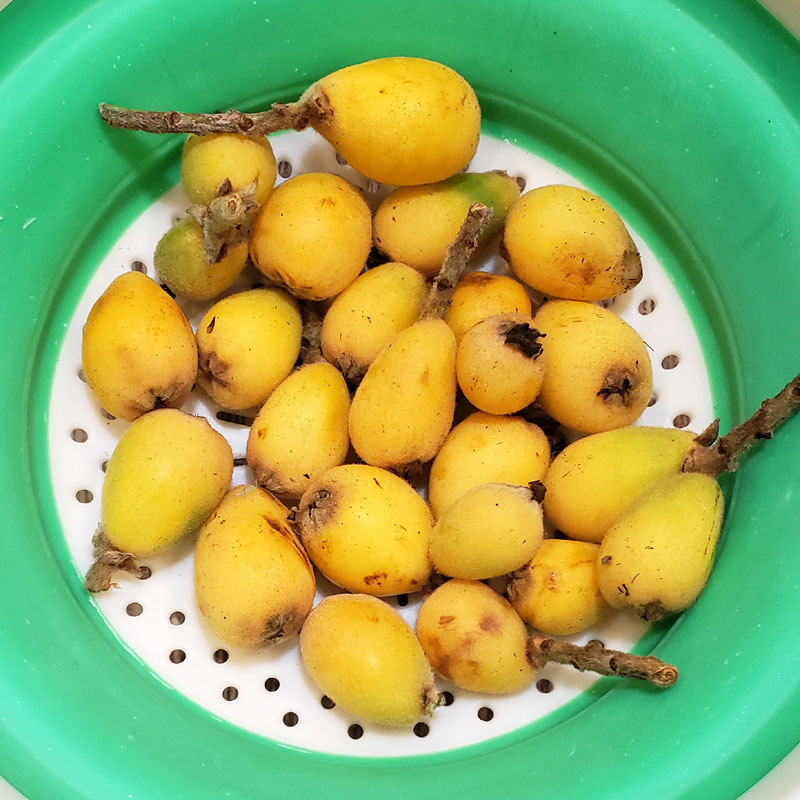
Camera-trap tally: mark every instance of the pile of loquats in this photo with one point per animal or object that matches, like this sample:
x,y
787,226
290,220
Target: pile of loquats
x,y
353,378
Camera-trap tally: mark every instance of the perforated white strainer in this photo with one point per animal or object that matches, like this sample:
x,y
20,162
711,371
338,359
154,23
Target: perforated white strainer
x,y
269,693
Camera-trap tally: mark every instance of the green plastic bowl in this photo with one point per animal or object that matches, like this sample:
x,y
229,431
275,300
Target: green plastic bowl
x,y
685,115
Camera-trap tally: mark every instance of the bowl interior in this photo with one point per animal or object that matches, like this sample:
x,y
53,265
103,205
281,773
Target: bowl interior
x,y
682,121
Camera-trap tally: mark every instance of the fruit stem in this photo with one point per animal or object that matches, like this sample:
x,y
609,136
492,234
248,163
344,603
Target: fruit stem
x,y
311,341
311,109
462,247
107,560
595,658
714,459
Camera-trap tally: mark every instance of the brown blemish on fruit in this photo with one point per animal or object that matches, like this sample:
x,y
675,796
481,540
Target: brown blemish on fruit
x,y
605,560
523,337
446,620
214,369
619,385
377,578
631,267
316,512
476,279
281,625
652,612
490,624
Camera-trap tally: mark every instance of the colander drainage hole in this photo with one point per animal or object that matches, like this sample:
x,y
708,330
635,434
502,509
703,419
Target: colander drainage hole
x,y
284,168
104,465
449,699
230,693
402,599
290,719
355,731
485,713
144,573
372,186
106,414
82,375
421,730
681,421
139,266
167,290
177,656
653,400
84,496
272,684
607,303
220,656
133,609
647,306
340,160
177,617
544,686
78,435
326,702
521,182
670,362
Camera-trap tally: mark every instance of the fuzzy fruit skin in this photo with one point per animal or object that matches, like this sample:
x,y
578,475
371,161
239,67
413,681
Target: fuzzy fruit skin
x,y
497,377
474,638
659,552
416,224
402,121
247,344
366,530
208,160
362,654
591,352
485,448
301,430
594,479
166,475
557,592
181,263
489,531
569,243
313,235
479,295
369,313
403,408
138,350
253,582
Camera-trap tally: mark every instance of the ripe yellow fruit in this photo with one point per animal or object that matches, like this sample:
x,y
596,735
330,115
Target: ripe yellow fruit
x,y
474,638
598,374
403,408
366,530
138,350
209,160
416,224
594,479
489,531
166,475
485,448
399,120
567,242
300,431
313,235
501,363
253,582
368,314
557,592
656,558
247,344
363,655
181,263
479,295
